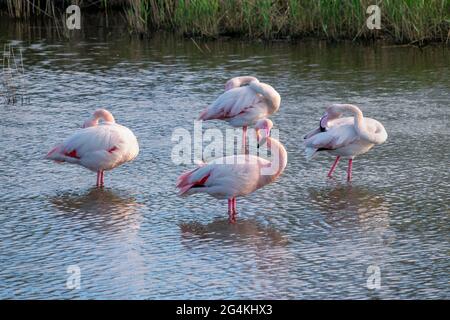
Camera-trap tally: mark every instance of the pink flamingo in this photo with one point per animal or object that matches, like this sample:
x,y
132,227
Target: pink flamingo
x,y
98,147
263,124
245,101
235,176
344,137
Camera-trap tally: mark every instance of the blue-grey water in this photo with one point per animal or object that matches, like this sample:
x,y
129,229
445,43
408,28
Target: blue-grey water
x,y
303,237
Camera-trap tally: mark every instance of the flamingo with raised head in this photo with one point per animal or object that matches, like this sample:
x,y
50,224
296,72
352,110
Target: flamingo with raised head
x,y
235,176
344,137
245,101
98,146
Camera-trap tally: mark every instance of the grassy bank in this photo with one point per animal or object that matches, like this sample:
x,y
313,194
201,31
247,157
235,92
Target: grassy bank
x,y
402,21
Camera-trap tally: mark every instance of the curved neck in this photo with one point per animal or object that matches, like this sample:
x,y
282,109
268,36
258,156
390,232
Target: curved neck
x,y
270,94
237,82
245,80
103,114
278,163
360,125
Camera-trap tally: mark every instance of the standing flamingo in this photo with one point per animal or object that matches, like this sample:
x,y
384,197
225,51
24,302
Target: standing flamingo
x,y
245,101
344,137
234,176
98,147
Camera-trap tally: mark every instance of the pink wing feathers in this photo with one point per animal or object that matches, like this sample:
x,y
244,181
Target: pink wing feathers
x,y
193,178
224,177
99,147
341,133
231,103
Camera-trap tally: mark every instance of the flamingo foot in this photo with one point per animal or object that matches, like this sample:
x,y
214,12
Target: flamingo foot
x,y
349,170
333,166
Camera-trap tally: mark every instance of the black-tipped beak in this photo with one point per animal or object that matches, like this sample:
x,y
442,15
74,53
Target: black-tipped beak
x,y
258,137
323,123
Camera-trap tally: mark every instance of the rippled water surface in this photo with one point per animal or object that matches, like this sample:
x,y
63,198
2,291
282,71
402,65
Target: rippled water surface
x,y
303,237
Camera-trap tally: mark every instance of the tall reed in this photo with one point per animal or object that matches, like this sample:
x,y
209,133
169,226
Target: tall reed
x,y
401,20
27,8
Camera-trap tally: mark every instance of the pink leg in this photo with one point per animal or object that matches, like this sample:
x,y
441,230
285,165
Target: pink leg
x,y
102,181
334,166
98,179
244,139
349,170
234,207
231,217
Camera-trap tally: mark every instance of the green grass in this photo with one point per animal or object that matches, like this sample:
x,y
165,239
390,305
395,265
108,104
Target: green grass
x,y
403,21
198,17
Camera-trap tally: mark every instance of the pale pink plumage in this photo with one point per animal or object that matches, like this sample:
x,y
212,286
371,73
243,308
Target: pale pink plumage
x,y
234,176
98,147
344,137
242,106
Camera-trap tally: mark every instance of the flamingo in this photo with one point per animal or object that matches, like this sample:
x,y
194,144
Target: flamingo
x,y
234,176
245,101
344,137
263,124
98,147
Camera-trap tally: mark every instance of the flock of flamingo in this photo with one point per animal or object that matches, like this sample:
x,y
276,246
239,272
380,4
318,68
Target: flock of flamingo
x,y
102,146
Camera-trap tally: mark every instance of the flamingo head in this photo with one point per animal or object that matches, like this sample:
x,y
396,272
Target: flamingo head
x,y
333,112
323,123
232,83
103,114
236,82
90,123
263,124
266,141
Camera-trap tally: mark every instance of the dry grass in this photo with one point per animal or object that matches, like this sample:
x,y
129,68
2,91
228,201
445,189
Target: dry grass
x,y
13,76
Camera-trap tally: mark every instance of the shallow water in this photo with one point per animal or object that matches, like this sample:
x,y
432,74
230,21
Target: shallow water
x,y
303,237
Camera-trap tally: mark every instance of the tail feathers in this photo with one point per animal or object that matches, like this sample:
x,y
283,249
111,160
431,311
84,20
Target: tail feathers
x,y
203,115
53,153
58,155
186,181
310,152
183,190
183,180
